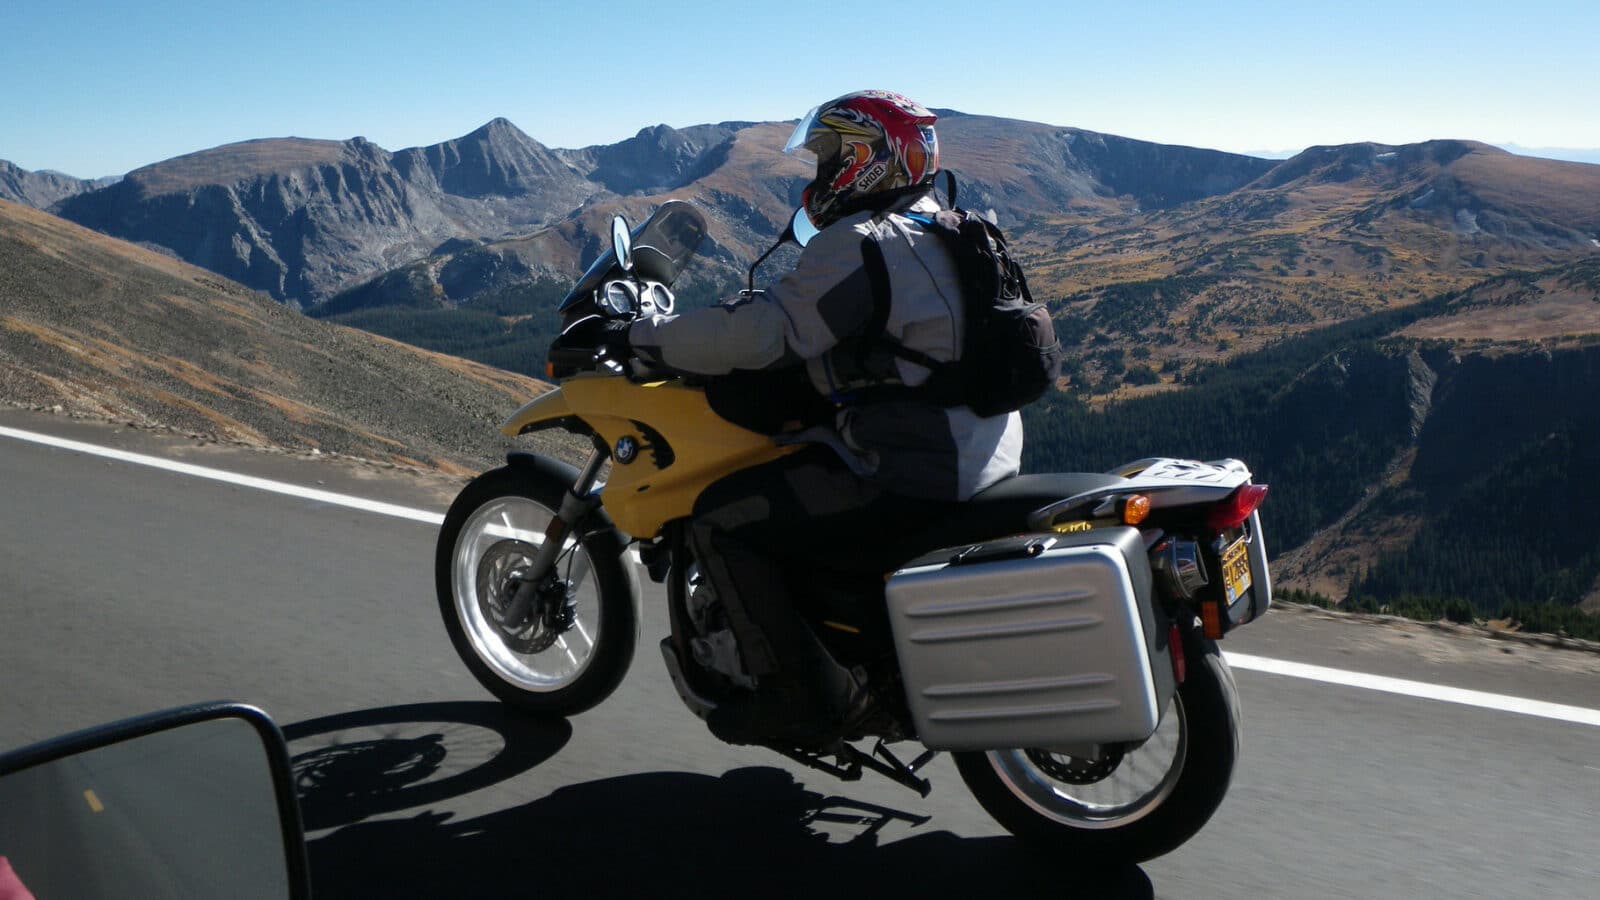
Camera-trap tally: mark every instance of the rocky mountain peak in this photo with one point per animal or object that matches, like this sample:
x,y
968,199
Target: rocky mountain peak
x,y
500,133
660,157
497,159
498,126
39,189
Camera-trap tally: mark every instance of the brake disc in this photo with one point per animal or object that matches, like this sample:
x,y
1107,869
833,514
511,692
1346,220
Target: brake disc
x,y
500,574
1077,769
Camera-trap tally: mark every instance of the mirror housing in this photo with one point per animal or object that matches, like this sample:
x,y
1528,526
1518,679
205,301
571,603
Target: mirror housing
x,y
800,230
195,801
622,243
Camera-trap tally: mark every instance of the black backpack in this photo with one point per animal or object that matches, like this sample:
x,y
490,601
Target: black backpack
x,y
1010,355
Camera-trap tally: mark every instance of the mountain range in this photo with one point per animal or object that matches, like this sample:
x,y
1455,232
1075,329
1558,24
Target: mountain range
x,y
1235,248
304,219
42,189
1346,317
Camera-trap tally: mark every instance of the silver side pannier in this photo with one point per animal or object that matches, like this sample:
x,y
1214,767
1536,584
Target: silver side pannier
x,y
1046,640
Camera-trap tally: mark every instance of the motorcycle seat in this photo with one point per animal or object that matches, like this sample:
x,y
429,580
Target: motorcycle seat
x,y
1003,508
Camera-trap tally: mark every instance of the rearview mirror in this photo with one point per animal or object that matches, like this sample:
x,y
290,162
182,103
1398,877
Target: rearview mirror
x,y
802,228
192,802
622,243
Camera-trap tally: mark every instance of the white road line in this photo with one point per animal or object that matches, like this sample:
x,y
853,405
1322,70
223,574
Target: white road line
x,y
260,484
1421,689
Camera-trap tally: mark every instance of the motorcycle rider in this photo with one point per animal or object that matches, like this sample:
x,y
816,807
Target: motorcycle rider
x,y
886,460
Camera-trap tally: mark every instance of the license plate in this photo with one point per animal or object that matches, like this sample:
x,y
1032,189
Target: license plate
x,y
1236,570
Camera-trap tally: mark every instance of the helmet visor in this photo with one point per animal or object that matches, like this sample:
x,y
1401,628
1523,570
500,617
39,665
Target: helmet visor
x,y
797,140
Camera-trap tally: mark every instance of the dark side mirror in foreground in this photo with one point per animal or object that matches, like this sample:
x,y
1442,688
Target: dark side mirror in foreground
x,y
192,802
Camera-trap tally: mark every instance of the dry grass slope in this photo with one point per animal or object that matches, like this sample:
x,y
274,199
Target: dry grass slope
x,y
1342,232
99,327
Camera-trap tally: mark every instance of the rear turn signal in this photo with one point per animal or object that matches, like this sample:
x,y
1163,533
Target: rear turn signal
x,y
1135,509
1236,507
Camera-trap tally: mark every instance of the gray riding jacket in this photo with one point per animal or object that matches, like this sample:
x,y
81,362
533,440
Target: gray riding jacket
x,y
815,315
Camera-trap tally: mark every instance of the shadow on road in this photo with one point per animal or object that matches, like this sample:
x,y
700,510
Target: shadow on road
x,y
374,761
752,832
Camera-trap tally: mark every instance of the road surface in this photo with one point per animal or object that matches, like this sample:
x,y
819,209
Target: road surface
x,y
128,588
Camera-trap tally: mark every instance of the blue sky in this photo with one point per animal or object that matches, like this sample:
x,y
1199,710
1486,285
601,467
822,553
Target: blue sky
x,y
95,89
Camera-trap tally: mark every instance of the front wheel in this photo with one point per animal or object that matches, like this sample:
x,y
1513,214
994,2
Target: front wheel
x,y
574,647
1122,806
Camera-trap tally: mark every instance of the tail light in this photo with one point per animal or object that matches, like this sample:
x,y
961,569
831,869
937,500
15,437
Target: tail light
x,y
1236,507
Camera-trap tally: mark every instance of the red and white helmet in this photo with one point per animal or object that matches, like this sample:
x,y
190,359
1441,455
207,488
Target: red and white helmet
x,y
865,142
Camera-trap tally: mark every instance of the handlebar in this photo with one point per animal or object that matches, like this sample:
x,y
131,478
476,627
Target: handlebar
x,y
572,358
563,362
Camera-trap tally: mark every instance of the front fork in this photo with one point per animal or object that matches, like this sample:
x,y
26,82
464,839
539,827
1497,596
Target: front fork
x,y
576,505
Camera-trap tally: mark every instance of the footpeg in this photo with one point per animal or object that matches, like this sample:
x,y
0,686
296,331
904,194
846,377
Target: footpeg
x,y
849,762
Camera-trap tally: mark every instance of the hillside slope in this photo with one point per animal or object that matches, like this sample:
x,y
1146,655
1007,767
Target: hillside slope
x,y
1327,236
1418,465
99,327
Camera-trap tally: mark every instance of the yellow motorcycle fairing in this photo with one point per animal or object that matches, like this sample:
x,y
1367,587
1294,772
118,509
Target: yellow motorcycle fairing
x,y
666,444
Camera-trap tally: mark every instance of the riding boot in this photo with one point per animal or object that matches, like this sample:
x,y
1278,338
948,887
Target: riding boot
x,y
808,703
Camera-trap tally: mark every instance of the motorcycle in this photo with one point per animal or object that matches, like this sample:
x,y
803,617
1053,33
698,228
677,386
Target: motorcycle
x,y
1058,637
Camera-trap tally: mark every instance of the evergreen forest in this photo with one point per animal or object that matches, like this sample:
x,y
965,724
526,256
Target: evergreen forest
x,y
1503,481
1506,529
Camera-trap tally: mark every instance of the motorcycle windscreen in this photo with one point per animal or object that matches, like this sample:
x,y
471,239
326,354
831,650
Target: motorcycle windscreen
x,y
662,247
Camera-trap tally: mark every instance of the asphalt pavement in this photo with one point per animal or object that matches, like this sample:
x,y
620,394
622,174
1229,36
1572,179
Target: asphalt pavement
x,y
125,589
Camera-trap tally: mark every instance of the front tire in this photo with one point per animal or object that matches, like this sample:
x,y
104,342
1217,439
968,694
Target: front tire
x,y
1123,815
494,527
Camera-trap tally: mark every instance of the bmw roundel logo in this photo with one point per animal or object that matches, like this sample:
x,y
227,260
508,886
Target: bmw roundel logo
x,y
627,449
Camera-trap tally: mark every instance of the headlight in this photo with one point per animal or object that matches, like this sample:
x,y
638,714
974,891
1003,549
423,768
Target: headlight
x,y
661,297
620,298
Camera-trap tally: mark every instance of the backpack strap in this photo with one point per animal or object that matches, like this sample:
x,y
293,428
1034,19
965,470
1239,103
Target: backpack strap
x,y
876,331
941,388
878,277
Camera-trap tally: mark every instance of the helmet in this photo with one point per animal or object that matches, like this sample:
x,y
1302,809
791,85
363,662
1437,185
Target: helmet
x,y
865,142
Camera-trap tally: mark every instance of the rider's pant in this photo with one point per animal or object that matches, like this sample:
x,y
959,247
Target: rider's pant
x,y
760,532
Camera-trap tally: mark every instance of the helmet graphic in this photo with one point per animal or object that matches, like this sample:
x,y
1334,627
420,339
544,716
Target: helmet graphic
x,y
865,142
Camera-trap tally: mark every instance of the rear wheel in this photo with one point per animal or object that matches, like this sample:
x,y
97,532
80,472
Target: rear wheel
x,y
575,644
1122,805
